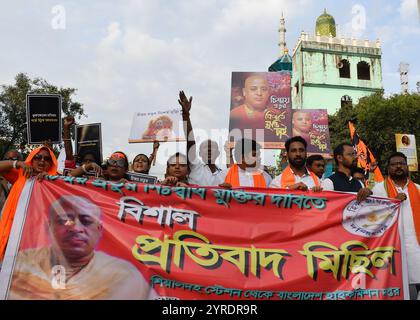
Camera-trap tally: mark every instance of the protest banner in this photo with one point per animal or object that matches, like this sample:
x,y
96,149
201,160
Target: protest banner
x,y
141,241
159,126
89,141
261,107
312,125
406,143
43,117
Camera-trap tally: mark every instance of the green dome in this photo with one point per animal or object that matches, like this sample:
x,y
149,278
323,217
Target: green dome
x,y
325,25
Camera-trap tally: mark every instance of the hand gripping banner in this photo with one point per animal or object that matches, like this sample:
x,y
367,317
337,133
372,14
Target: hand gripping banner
x,y
74,238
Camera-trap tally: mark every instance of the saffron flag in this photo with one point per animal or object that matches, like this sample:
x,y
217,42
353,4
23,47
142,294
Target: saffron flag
x,y
365,156
75,238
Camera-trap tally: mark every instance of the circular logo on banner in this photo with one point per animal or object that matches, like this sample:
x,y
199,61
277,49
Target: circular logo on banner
x,y
369,218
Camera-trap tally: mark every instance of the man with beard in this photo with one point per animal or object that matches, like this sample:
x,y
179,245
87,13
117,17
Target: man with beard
x,y
345,159
205,172
70,268
296,176
399,186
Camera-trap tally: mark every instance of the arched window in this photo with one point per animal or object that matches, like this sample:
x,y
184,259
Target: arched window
x,y
344,68
363,70
346,101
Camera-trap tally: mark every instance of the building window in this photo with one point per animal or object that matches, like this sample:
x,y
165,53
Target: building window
x,y
344,69
346,101
297,88
363,70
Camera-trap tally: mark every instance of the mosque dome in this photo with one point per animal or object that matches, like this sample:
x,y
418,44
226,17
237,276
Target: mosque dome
x,y
325,25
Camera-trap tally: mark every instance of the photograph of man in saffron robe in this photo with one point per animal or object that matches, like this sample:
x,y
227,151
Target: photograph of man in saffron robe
x,y
264,114
71,268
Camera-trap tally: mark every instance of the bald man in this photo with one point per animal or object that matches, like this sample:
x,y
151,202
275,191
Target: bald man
x,y
250,115
71,268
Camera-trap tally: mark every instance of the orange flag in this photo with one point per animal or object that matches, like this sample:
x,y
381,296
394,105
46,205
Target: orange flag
x,y
366,157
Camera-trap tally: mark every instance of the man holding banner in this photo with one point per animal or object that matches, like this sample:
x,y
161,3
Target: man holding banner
x,y
399,186
296,176
345,159
71,268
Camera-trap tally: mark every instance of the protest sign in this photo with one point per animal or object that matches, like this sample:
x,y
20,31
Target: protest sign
x,y
89,141
406,143
140,177
150,241
312,125
261,107
159,126
43,116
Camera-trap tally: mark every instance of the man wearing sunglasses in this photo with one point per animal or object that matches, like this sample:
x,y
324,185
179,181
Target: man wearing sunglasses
x,y
39,163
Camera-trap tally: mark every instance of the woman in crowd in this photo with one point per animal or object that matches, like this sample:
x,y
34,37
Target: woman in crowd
x,y
142,163
40,162
115,168
177,171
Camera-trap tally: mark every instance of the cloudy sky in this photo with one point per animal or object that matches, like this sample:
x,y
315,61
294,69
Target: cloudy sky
x,y
135,55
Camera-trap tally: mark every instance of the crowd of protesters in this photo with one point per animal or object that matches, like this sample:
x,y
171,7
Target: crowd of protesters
x,y
243,169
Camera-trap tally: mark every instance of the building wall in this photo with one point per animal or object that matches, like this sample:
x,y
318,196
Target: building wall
x,y
316,80
329,98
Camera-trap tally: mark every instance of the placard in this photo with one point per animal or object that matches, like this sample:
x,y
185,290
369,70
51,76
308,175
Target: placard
x,y
162,126
140,177
43,116
406,143
89,141
261,107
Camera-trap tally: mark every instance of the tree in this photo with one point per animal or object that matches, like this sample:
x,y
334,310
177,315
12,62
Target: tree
x,y
338,125
377,120
13,108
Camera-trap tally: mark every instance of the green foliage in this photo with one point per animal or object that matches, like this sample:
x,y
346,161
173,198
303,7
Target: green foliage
x,y
13,108
377,121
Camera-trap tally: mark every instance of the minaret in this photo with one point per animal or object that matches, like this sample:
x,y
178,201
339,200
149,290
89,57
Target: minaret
x,y
282,32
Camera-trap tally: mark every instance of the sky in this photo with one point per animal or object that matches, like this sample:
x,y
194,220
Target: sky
x,y
136,55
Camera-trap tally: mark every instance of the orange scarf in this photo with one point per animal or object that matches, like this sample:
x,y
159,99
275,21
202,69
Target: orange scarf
x,y
414,201
288,178
233,178
13,199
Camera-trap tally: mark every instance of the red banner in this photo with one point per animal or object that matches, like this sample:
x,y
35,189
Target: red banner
x,y
85,239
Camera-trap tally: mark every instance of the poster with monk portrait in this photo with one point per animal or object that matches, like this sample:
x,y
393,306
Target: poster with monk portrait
x,y
162,126
260,107
312,125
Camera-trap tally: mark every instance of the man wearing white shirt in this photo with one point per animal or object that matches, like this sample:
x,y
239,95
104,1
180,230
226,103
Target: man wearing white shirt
x,y
296,176
399,186
205,172
247,171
